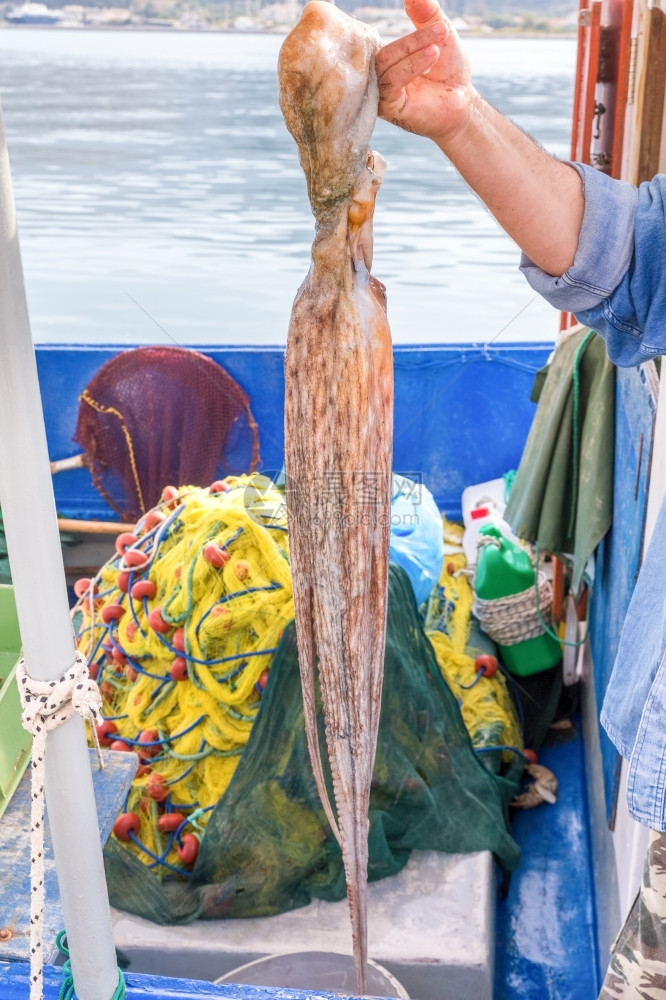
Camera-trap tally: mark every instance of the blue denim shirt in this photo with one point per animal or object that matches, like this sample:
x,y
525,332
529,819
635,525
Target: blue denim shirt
x,y
617,286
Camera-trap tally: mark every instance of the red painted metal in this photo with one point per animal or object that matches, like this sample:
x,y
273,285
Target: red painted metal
x,y
589,33
624,57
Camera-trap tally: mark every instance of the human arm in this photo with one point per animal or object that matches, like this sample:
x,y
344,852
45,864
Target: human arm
x,y
425,87
592,245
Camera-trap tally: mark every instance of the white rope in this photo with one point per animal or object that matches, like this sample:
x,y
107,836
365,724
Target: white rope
x,y
46,705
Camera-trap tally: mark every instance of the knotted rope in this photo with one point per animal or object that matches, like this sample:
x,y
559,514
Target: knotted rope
x,y
46,705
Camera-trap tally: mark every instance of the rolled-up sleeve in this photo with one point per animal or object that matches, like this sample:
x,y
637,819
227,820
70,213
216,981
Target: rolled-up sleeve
x,y
617,284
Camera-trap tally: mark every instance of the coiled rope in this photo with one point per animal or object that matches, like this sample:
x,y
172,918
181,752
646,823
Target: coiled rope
x,y
45,706
67,987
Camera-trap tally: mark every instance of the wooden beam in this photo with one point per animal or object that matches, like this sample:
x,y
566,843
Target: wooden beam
x,y
654,83
93,527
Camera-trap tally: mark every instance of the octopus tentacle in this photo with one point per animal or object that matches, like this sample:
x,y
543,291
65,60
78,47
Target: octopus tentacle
x,y
303,600
338,424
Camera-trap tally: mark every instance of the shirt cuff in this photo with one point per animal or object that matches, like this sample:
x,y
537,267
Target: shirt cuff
x,y
605,246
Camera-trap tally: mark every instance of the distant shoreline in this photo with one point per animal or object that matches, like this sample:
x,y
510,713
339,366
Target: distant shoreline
x,y
152,28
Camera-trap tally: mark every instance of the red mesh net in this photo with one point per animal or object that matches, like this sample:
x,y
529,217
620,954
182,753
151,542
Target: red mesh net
x,y
163,415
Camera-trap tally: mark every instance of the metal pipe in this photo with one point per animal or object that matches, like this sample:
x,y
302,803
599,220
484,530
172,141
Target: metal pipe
x,y
29,515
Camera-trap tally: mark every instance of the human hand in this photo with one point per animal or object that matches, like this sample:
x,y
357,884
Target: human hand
x,y
424,78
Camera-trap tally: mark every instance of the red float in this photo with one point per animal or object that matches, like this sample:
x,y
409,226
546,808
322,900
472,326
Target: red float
x,y
104,732
215,555
486,664
112,613
125,540
188,849
170,822
126,824
136,559
82,587
170,495
178,669
157,788
157,623
143,588
148,736
152,519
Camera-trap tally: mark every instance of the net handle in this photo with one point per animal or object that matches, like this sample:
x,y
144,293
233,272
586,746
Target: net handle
x,y
73,462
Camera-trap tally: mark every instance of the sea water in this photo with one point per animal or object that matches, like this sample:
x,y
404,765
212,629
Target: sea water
x,y
160,198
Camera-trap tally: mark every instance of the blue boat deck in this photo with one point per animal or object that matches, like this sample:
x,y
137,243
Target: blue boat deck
x,y
110,784
546,924
546,927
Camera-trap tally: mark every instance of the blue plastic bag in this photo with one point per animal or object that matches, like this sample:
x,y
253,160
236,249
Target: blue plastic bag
x,y
417,535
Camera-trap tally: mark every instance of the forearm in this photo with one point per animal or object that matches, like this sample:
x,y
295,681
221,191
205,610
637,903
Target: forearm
x,y
537,199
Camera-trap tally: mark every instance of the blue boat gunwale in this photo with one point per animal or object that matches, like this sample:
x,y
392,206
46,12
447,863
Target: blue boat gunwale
x,y
438,423
14,976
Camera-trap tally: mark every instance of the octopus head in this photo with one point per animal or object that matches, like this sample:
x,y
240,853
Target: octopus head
x,y
329,98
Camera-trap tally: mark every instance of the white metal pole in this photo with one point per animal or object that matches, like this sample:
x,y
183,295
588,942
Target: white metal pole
x,y
33,542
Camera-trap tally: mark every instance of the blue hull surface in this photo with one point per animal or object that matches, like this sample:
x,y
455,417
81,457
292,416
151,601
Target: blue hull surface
x,y
462,412
14,981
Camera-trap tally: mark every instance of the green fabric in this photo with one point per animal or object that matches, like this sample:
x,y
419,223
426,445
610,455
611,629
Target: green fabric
x,y
268,847
568,510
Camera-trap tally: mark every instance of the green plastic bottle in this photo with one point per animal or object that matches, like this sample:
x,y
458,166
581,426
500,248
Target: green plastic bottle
x,y
502,570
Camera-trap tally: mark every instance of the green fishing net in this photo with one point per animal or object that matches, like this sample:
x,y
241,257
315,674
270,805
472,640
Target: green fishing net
x,y
268,848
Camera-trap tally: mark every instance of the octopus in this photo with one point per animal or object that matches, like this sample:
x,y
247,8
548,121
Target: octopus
x,y
338,426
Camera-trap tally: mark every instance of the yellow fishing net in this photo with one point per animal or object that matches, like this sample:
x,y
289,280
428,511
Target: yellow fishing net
x,y
485,703
180,628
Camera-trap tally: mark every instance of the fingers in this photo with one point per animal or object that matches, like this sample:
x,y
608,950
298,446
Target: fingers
x,y
410,46
424,12
393,81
